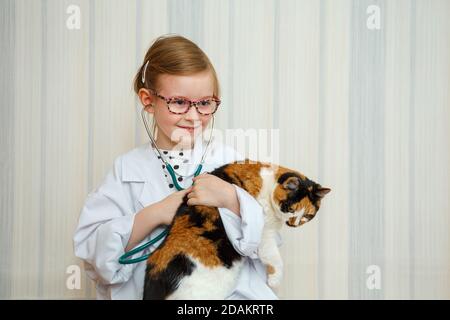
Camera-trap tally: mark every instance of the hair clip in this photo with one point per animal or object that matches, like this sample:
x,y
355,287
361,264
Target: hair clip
x,y
143,73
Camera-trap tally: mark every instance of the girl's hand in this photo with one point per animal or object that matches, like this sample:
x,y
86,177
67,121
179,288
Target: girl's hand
x,y
209,190
170,205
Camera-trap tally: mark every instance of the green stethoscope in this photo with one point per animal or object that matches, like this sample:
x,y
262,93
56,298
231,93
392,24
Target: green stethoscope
x,y
124,258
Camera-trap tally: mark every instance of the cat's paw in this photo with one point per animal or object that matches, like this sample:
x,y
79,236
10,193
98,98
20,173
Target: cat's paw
x,y
274,281
274,276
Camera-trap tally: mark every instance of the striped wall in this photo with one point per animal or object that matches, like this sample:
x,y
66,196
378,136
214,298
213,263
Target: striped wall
x,y
363,111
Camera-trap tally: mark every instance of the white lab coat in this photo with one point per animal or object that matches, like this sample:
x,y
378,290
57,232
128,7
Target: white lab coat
x,y
136,181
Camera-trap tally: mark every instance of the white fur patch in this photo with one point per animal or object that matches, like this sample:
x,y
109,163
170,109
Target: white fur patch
x,y
265,198
207,283
268,250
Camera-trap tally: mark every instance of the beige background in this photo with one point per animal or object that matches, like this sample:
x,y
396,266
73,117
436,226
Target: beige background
x,y
363,111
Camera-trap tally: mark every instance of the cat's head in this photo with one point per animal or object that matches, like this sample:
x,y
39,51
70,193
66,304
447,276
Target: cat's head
x,y
296,198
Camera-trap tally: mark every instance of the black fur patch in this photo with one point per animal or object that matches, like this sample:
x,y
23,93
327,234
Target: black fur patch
x,y
220,173
167,281
225,250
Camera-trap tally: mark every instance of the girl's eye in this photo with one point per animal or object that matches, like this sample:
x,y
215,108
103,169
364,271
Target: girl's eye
x,y
205,103
180,102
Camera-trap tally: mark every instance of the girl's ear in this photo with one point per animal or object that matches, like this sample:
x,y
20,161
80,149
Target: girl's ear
x,y
146,98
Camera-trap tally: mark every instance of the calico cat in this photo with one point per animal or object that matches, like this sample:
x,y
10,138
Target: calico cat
x,y
196,260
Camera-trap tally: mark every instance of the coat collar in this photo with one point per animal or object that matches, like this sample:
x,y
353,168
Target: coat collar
x,y
142,164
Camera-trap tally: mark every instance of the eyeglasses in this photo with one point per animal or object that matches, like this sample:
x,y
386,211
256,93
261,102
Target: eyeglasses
x,y
181,105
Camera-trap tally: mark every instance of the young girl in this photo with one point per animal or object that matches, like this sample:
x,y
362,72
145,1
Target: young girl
x,y
178,86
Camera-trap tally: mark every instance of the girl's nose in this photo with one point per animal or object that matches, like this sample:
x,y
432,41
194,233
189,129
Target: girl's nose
x,y
192,114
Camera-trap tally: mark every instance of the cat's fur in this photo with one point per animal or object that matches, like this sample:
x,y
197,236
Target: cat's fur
x,y
196,260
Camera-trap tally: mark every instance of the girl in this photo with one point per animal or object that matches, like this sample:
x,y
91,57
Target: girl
x,y
178,86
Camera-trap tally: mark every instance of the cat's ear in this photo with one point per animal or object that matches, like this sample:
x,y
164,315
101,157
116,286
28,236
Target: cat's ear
x,y
320,191
292,183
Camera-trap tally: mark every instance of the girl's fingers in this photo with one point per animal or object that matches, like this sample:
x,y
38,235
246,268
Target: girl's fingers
x,y
191,201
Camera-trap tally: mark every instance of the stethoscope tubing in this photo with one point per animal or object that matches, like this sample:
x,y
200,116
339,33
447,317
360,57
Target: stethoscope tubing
x,y
124,258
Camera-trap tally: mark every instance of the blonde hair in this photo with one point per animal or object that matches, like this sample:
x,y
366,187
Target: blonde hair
x,y
174,55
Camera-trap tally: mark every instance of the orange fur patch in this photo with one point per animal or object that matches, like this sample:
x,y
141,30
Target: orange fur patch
x,y
186,240
279,195
246,175
291,222
307,205
270,269
208,212
282,170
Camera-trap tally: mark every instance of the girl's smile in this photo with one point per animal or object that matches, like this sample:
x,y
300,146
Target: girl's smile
x,y
190,129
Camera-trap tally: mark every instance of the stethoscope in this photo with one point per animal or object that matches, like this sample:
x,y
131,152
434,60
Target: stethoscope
x,y
124,258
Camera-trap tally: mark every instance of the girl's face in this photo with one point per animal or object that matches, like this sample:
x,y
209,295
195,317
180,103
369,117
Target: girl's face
x,y
172,127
